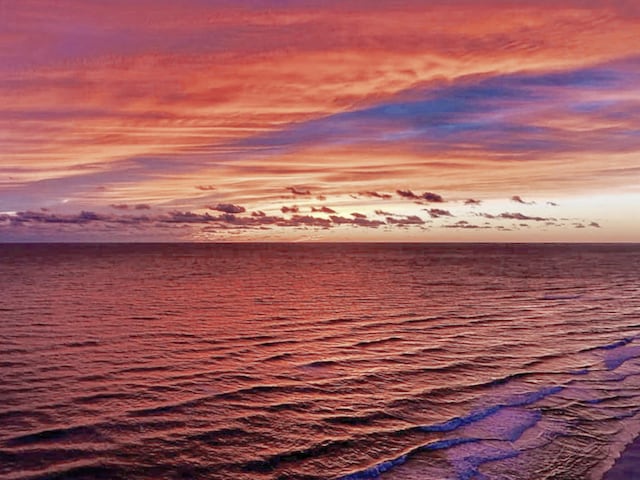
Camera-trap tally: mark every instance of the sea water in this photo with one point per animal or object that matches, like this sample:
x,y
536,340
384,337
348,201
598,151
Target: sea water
x,y
317,361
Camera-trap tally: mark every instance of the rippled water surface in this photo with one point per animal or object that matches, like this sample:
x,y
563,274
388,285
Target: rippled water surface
x,y
317,361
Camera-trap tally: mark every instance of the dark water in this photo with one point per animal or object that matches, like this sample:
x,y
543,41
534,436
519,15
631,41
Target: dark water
x,y
317,361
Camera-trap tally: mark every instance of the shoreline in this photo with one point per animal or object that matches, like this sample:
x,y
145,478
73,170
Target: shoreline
x,y
627,465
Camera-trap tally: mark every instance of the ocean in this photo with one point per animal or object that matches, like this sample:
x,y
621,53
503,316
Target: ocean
x,y
318,361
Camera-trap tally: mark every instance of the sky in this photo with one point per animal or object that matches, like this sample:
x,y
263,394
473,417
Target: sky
x,y
308,120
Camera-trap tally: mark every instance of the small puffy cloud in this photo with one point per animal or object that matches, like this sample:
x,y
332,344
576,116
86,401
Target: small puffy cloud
x,y
258,213
426,196
362,222
323,209
228,208
518,199
306,220
432,197
552,204
358,215
438,212
595,225
299,191
408,220
125,206
407,194
383,196
463,224
292,209
472,201
205,188
384,213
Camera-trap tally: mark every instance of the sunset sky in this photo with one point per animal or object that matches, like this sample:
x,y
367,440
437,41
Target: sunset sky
x,y
308,120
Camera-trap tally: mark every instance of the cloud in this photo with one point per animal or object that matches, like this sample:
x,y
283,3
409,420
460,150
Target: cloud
x,y
299,191
552,204
437,213
432,197
409,106
383,196
305,220
408,220
119,206
427,196
44,217
595,225
359,222
471,201
323,209
228,208
463,224
292,209
407,194
521,216
358,215
384,213
518,199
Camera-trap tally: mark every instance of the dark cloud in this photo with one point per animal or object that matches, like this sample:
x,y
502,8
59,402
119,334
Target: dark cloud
x,y
188,217
323,209
125,206
384,213
521,216
407,194
408,220
361,222
206,221
427,196
466,225
304,220
518,199
358,215
228,208
205,188
552,204
26,217
438,212
595,225
293,209
299,191
384,196
472,201
432,197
